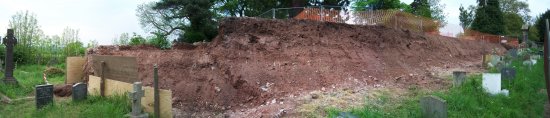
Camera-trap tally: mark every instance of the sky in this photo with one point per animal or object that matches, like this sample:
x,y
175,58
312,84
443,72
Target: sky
x,y
103,20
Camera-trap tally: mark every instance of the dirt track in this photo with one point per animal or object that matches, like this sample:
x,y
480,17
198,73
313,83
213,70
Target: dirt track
x,y
253,61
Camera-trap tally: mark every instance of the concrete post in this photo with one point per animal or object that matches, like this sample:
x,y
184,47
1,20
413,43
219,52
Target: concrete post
x,y
546,60
273,13
322,13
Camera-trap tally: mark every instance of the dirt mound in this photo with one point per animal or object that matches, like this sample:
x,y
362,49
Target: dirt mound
x,y
63,90
252,61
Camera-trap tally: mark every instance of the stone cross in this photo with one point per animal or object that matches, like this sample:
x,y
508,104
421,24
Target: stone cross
x,y
135,96
10,42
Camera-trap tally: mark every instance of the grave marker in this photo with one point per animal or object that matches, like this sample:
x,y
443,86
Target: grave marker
x,y
44,95
136,96
508,73
10,41
80,91
513,53
459,77
492,83
433,107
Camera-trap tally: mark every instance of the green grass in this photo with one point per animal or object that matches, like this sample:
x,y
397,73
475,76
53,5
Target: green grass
x,y
30,75
94,106
470,100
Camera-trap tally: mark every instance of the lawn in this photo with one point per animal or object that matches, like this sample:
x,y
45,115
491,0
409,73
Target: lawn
x,y
30,75
526,100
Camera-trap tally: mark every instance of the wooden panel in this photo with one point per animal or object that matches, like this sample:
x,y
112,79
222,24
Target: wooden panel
x,y
113,87
117,67
75,69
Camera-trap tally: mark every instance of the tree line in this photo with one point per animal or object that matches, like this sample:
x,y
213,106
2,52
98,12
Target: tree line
x,y
503,17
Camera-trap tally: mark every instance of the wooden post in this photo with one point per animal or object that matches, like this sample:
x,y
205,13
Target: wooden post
x,y
102,82
157,96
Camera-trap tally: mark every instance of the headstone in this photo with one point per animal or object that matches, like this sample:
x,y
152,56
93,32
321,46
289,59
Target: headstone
x,y
508,73
10,42
80,91
459,77
433,107
44,95
492,82
136,96
495,59
513,53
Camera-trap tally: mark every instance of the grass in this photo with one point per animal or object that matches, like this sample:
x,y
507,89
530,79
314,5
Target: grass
x,y
470,100
30,75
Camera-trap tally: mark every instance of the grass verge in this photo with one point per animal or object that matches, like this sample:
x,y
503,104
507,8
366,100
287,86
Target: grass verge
x,y
526,99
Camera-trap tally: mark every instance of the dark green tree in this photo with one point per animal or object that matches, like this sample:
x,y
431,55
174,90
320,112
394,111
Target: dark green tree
x,y
379,4
489,18
541,24
201,24
466,16
421,8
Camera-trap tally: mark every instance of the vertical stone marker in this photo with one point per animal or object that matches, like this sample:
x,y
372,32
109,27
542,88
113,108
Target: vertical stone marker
x,y
80,92
136,96
9,41
44,95
459,78
491,83
433,107
508,73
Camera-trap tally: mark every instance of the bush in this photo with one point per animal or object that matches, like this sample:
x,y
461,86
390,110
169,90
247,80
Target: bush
x,y
192,36
159,41
137,40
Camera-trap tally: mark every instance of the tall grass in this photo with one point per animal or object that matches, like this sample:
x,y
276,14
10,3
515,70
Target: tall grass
x,y
28,77
526,99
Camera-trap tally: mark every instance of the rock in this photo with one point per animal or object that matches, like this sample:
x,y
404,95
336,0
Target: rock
x,y
314,96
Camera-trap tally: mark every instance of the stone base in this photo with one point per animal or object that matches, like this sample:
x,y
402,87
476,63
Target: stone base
x,y
143,115
10,80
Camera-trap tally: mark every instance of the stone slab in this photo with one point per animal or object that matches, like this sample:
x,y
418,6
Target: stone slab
x,y
80,91
433,107
508,73
492,82
44,95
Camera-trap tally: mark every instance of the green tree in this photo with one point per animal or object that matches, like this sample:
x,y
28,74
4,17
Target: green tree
x,y
489,18
158,40
466,16
436,9
26,31
123,39
518,7
541,24
137,40
421,8
379,5
197,13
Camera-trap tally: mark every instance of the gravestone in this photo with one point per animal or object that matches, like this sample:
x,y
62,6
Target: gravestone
x,y
44,95
513,53
492,83
136,96
433,107
459,77
10,42
80,92
508,73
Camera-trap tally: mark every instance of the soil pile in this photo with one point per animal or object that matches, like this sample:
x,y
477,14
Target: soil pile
x,y
252,61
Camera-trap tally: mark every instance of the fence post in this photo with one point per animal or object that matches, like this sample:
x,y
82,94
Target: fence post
x,y
156,91
273,13
421,28
322,13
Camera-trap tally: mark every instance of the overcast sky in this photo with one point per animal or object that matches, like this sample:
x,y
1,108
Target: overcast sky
x,y
103,20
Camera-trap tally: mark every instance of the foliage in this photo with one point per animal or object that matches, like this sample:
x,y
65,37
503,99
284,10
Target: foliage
x,y
159,41
466,16
489,18
380,4
137,40
123,39
513,23
196,12
155,20
436,10
541,24
518,7
421,8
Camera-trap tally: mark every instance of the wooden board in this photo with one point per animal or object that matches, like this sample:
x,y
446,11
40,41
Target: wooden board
x,y
75,69
117,67
114,87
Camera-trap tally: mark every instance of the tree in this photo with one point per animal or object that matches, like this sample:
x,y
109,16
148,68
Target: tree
x,y
421,8
520,8
466,16
123,39
541,24
489,18
379,4
26,31
436,9
158,40
157,20
137,40
201,25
